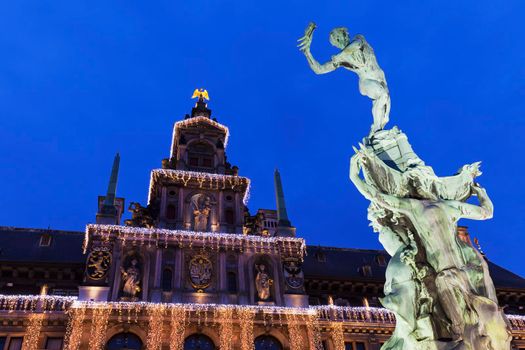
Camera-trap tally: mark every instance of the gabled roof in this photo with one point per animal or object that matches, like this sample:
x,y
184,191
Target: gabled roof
x,y
345,264
23,245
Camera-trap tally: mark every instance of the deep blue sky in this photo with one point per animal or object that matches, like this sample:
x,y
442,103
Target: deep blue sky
x,y
80,80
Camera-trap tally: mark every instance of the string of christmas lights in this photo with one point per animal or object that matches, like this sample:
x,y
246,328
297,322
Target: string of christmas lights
x,y
177,328
207,181
156,317
225,319
338,337
294,332
99,325
314,333
33,332
195,120
246,322
74,328
289,246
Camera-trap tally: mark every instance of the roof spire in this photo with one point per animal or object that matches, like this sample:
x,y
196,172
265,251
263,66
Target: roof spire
x,y
284,226
109,202
282,214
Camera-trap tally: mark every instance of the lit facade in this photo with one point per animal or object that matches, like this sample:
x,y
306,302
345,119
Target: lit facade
x,y
193,269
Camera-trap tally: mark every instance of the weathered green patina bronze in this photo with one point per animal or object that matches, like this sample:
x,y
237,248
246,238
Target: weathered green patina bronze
x,y
438,286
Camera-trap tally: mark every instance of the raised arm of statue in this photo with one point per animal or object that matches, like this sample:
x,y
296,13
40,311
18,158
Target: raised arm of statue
x,y
390,202
304,46
484,211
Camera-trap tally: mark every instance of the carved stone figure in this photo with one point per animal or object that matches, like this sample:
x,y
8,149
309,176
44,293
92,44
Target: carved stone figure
x,y
140,216
201,206
357,56
131,281
263,282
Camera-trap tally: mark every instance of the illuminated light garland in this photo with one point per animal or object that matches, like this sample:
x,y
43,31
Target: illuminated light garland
x,y
194,121
177,328
34,303
517,322
225,317
74,327
289,246
314,333
294,332
33,332
156,318
338,337
213,181
99,325
246,323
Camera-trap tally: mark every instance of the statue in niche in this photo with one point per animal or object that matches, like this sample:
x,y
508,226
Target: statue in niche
x,y
357,56
131,281
263,282
201,205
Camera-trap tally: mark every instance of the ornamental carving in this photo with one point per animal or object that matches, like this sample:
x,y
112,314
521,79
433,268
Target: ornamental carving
x,y
98,263
293,274
200,272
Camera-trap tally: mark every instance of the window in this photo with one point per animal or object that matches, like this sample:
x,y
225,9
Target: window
x,y
228,216
45,240
194,161
232,282
54,343
381,260
198,342
167,277
171,212
2,342
128,341
15,343
267,342
355,346
366,270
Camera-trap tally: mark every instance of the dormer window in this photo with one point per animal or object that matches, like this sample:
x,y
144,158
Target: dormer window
x,y
45,240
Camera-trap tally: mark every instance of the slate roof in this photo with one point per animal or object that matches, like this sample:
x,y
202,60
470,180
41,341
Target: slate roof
x,y
345,263
23,245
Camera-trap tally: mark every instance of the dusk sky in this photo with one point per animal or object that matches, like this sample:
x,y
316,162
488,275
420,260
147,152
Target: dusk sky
x,y
82,80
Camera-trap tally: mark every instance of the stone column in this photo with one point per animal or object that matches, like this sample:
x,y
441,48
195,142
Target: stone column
x,y
177,281
156,292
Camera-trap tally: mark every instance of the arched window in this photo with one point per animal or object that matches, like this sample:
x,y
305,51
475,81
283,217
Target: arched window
x,y
171,212
267,342
127,341
167,277
232,282
198,342
228,216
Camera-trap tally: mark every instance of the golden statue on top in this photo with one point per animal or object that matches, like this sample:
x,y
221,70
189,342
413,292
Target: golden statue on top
x,y
201,94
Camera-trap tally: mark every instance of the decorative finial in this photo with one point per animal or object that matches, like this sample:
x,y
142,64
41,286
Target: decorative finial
x,y
201,94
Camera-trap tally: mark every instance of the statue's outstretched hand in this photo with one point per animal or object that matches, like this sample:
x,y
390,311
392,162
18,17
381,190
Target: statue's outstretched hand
x,y
306,40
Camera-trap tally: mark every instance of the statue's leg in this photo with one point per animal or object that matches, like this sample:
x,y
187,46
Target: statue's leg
x,y
380,102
